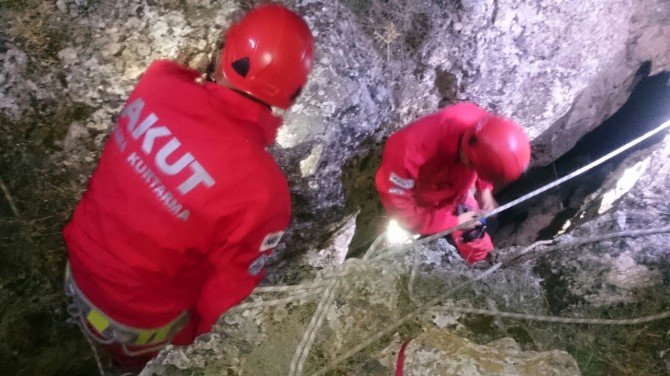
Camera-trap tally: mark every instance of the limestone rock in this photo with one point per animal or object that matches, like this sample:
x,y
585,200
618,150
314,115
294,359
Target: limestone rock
x,y
558,67
630,268
369,299
441,352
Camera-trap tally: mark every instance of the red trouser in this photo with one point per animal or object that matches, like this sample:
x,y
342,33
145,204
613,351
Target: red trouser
x,y
475,250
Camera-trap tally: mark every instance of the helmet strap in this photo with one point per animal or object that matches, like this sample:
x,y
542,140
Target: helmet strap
x,y
462,156
247,95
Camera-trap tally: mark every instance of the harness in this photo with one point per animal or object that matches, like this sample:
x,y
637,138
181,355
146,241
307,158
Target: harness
x,y
109,331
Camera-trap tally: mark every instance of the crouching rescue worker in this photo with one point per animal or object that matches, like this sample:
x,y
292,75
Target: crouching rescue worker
x,y
186,205
432,169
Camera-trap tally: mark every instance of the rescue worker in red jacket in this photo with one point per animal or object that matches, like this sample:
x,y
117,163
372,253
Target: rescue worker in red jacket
x,y
186,205
431,168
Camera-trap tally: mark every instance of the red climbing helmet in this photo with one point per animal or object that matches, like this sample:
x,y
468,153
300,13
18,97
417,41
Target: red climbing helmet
x,y
498,149
268,54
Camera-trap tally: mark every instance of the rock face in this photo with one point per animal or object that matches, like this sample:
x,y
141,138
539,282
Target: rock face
x,y
369,299
560,68
443,353
411,297
629,268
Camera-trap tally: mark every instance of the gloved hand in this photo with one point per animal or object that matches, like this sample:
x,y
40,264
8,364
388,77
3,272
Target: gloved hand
x,y
473,231
465,217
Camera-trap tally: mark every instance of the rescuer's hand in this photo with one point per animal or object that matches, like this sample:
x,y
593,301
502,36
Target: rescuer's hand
x,y
464,217
486,200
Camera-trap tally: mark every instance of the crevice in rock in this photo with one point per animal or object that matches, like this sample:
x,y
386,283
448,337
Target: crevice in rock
x,y
645,110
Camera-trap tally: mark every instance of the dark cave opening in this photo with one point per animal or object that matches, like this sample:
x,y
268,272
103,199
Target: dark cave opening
x,y
647,107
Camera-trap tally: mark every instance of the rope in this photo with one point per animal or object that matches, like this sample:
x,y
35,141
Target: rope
x,y
289,288
304,347
320,283
528,249
269,303
298,362
303,350
392,328
307,341
412,277
371,250
592,239
95,355
9,199
423,307
562,320
532,194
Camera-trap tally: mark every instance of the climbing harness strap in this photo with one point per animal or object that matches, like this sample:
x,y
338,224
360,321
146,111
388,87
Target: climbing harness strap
x,y
111,331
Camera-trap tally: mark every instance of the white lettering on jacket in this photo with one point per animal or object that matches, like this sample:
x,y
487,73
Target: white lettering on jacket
x,y
397,191
155,184
271,240
400,182
198,174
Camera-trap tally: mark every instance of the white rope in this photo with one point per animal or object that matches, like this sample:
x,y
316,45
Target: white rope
x,y
94,350
312,333
275,302
307,340
305,345
392,328
289,288
416,262
371,250
9,199
591,239
298,361
392,251
533,246
423,307
561,320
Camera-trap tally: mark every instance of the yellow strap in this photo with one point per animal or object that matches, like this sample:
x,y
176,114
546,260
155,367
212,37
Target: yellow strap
x,y
162,334
143,335
151,336
97,320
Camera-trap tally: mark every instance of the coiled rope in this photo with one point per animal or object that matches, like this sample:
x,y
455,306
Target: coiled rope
x,y
304,347
303,350
423,307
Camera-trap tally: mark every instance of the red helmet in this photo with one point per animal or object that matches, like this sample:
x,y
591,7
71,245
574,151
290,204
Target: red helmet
x,y
498,149
268,54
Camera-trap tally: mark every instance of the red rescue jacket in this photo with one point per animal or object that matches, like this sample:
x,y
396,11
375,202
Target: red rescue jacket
x,y
184,206
421,179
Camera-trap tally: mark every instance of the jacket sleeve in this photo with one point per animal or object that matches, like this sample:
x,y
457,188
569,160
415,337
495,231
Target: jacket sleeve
x,y
406,151
238,261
